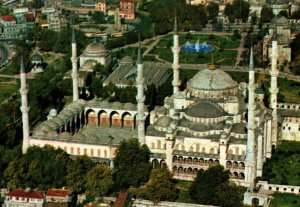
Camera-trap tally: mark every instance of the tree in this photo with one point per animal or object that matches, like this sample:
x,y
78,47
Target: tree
x,y
131,164
160,186
98,17
39,168
98,180
229,195
76,173
206,183
296,14
48,39
239,9
212,187
266,14
213,10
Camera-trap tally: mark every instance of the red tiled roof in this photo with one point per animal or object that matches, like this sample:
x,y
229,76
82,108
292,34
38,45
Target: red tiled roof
x,y
121,199
29,16
7,18
58,193
23,194
127,1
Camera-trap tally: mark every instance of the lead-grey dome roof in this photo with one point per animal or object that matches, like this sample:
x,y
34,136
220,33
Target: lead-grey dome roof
x,y
212,80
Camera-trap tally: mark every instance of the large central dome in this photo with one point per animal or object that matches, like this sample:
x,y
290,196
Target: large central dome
x,y
212,80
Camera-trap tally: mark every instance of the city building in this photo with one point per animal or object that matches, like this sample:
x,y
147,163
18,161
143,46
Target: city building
x,y
102,6
27,198
58,198
10,29
127,9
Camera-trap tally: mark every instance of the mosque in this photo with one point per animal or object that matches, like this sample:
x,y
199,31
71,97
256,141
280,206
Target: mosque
x,y
215,120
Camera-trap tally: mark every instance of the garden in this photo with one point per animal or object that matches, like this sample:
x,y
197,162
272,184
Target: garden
x,y
225,51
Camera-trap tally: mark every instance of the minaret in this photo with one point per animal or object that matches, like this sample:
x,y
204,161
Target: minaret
x,y
24,108
274,89
140,98
74,60
176,49
250,168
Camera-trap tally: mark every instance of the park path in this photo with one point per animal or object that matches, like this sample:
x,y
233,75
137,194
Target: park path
x,y
240,50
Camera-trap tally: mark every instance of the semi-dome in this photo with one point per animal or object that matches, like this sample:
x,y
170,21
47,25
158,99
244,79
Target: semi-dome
x,y
212,80
95,49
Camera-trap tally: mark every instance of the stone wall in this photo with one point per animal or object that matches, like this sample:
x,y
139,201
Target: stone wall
x,y
279,188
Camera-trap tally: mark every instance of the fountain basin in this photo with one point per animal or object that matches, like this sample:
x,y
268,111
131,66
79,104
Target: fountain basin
x,y
197,47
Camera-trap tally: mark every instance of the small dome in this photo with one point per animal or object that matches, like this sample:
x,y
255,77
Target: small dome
x,y
95,49
163,121
126,60
37,57
53,112
212,80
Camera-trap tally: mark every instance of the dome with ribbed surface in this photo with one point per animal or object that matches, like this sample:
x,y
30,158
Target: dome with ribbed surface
x,y
212,80
95,49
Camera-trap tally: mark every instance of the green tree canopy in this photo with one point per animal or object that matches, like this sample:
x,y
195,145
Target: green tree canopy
x,y
98,180
213,10
160,186
77,171
98,17
212,187
266,14
39,168
131,164
239,9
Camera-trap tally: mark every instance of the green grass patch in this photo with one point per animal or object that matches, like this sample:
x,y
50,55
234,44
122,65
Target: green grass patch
x,y
224,54
6,90
7,70
183,187
284,166
285,200
290,90
222,57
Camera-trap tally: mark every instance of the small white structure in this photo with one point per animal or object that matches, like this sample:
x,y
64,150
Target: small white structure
x,y
94,53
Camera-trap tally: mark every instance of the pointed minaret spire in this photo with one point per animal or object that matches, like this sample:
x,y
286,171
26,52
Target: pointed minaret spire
x,y
74,60
24,108
250,165
176,49
140,97
274,88
139,60
175,24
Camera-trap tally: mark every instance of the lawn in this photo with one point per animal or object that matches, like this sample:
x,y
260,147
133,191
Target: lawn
x,y
290,90
183,187
224,54
285,200
6,90
222,57
7,70
284,166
